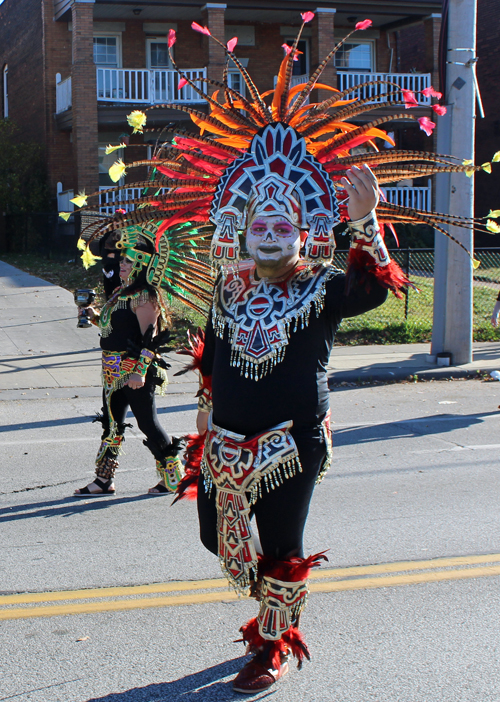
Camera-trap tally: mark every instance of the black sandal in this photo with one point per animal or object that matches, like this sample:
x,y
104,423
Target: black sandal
x,y
104,486
160,488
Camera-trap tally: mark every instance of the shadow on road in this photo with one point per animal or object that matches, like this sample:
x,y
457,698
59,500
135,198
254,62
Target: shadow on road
x,y
412,427
198,687
69,506
23,426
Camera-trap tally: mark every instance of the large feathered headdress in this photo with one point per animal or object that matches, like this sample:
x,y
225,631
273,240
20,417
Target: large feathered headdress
x,y
277,152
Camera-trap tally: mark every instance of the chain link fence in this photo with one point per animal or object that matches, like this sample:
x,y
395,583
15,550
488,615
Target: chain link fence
x,y
414,311
41,233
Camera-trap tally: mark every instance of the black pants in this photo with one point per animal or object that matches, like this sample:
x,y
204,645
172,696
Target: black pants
x,y
280,514
143,405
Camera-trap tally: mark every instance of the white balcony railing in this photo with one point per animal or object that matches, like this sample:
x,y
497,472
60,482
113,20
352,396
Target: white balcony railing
x,y
409,196
108,201
139,86
409,81
63,93
164,86
415,82
418,197
63,199
123,85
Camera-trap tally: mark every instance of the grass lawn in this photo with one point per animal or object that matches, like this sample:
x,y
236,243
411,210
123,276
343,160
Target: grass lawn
x,y
405,321
410,322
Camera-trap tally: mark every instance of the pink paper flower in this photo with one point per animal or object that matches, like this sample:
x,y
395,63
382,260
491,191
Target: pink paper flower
x,y
439,109
288,50
307,16
172,37
364,24
409,98
430,92
426,125
182,82
232,43
198,28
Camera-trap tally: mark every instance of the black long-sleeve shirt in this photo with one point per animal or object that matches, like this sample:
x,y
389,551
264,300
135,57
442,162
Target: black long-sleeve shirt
x,y
295,388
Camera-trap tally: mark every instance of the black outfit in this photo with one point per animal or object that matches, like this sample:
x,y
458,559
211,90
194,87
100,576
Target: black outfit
x,y
296,388
125,329
143,406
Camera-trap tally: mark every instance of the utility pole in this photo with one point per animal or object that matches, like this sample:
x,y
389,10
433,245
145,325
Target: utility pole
x,y
453,273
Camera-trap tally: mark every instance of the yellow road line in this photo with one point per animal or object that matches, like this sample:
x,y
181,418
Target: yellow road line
x,y
404,565
414,578
124,591
322,574
117,605
322,582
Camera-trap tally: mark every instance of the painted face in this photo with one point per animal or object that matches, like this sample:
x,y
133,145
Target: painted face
x,y
273,242
126,266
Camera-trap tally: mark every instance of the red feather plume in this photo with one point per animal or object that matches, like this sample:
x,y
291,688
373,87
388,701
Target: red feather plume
x,y
290,571
292,641
360,266
188,486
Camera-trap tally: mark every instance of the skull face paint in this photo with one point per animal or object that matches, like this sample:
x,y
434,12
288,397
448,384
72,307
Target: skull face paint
x,y
273,242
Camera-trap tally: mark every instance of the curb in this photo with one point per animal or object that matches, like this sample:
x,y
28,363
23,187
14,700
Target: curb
x,y
400,375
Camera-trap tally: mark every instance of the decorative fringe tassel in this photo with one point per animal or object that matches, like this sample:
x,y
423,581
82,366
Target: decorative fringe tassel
x,y
292,642
188,486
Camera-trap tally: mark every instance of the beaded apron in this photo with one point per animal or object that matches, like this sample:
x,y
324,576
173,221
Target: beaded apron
x,y
261,315
240,468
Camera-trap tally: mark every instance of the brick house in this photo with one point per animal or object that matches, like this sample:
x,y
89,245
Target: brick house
x,y
73,69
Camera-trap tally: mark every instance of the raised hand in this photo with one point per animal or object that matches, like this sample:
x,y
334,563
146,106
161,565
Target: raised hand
x,y
362,187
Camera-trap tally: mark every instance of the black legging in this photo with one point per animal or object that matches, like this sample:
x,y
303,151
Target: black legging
x,y
280,514
143,405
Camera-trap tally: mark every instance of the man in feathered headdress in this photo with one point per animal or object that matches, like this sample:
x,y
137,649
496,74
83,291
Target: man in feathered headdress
x,y
263,406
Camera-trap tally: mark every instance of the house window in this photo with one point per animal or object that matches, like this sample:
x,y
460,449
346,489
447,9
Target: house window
x,y
236,82
107,52
301,66
5,92
157,53
234,77
355,56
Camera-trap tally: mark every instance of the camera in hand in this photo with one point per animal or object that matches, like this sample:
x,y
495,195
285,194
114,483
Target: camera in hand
x,y
84,298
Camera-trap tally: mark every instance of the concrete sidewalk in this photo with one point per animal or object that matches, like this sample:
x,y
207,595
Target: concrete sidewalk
x,y
41,347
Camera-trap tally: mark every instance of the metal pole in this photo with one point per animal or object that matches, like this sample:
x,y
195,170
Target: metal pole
x,y
407,291
453,316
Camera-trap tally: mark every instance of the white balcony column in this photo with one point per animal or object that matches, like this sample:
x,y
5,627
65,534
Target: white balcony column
x,y
323,41
84,97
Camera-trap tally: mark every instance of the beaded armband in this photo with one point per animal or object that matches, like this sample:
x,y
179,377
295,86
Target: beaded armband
x,y
145,360
365,235
204,400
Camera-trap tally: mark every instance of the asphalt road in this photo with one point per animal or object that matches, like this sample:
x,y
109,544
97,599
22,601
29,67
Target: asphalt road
x,y
407,608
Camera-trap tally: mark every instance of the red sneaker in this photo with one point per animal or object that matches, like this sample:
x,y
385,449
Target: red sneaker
x,y
257,676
